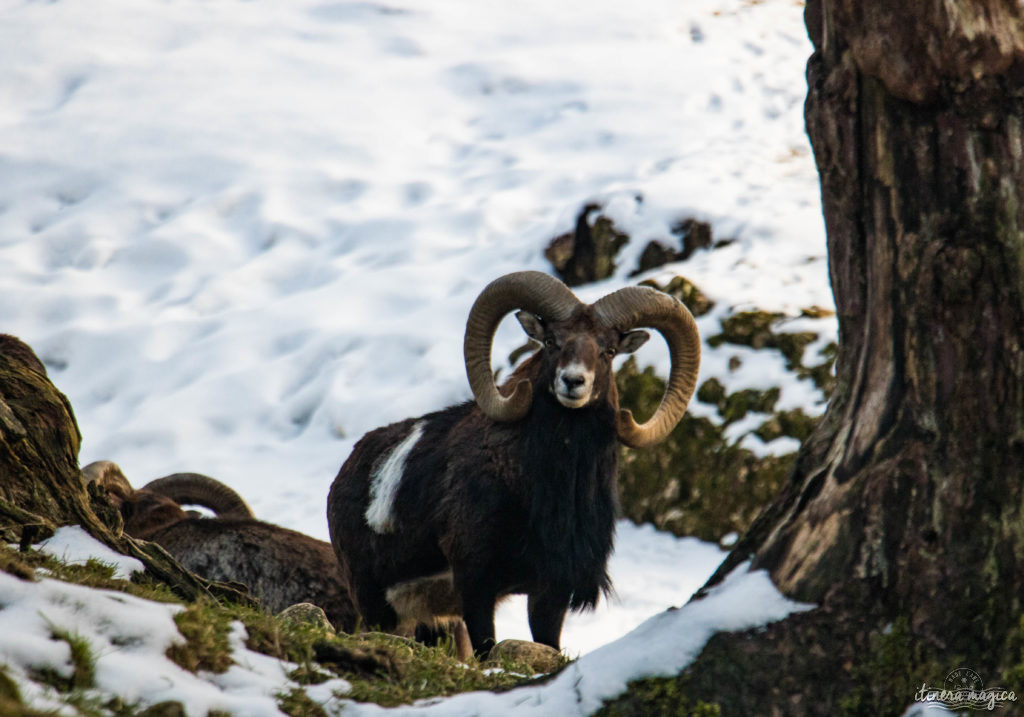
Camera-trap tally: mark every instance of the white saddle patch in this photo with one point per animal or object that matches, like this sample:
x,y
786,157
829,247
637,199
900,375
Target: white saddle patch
x,y
385,480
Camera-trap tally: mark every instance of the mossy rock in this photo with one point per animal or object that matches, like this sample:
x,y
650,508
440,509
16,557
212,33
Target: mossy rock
x,y
537,657
693,235
588,253
696,482
737,405
686,292
794,423
748,328
305,613
655,254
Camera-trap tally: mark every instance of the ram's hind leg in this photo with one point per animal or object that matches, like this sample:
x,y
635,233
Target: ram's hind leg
x,y
547,613
441,631
374,609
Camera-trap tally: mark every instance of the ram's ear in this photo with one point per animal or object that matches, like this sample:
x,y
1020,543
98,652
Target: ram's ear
x,y
632,340
533,326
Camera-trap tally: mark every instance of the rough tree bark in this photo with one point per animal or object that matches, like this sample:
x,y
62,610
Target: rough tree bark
x,y
41,486
903,520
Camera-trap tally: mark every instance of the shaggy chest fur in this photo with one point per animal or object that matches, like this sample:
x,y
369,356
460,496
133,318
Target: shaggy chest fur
x,y
536,501
569,459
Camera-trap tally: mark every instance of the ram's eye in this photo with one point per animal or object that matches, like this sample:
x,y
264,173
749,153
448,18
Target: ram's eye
x,y
610,351
549,342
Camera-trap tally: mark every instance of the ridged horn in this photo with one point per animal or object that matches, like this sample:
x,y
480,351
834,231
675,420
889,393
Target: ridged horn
x,y
531,291
197,489
108,476
643,307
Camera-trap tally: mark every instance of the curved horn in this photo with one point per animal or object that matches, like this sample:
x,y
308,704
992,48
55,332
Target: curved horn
x,y
532,291
194,488
108,476
639,306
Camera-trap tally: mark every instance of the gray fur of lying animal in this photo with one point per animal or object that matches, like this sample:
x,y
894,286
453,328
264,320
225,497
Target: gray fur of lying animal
x,y
281,567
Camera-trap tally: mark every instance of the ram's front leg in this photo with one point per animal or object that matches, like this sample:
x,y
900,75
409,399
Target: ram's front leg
x,y
547,613
478,601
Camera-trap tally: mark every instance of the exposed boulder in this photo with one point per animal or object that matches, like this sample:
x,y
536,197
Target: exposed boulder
x,y
535,656
588,253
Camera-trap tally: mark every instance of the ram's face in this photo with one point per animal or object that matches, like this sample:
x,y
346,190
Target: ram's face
x,y
577,355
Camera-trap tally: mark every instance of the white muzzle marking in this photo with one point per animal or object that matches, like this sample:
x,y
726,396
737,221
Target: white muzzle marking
x,y
573,384
385,481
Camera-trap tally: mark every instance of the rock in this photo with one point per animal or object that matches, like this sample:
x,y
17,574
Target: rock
x,y
538,657
655,254
693,235
685,291
588,254
306,613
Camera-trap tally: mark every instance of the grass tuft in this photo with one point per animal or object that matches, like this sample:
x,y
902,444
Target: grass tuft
x,y
93,574
296,703
205,625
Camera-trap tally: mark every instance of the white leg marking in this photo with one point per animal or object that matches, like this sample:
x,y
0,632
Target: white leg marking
x,y
386,478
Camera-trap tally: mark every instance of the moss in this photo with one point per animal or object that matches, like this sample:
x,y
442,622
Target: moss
x,y
794,423
83,664
792,346
13,563
891,673
711,391
657,697
94,573
205,625
816,312
8,687
283,639
737,405
685,291
82,658
1013,676
747,328
430,672
296,703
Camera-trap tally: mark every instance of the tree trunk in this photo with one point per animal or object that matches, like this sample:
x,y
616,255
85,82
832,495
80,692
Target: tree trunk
x,y
41,486
903,518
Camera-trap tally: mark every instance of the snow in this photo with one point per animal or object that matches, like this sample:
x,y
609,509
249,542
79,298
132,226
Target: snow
x,y
128,637
74,546
241,234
